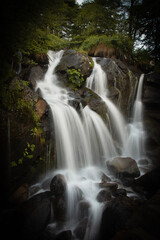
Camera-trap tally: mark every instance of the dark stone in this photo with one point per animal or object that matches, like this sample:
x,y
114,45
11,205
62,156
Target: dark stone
x,y
105,178
151,101
147,218
20,195
76,60
65,235
83,209
59,205
58,185
148,184
120,192
31,217
109,186
123,167
104,195
115,216
121,83
35,74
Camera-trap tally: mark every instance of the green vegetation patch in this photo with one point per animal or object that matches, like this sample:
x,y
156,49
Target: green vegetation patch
x,y
120,42
75,77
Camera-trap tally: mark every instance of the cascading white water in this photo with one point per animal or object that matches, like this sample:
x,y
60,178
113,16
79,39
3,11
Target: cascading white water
x,y
130,136
97,81
136,135
82,142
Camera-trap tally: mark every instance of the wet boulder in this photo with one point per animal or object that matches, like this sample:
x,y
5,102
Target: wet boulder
x,y
34,74
31,217
65,235
104,195
109,186
58,185
123,167
74,60
115,216
20,195
148,184
83,209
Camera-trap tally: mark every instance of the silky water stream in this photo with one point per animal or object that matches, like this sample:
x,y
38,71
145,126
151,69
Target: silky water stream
x,y
83,144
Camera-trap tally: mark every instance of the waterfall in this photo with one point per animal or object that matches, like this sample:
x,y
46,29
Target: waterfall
x,y
98,83
130,137
136,135
83,144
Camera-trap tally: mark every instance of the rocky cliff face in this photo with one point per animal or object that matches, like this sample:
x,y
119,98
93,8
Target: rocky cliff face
x,y
151,100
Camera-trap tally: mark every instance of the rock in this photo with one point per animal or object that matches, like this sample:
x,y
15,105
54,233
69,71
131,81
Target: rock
x,y
31,218
42,107
35,74
59,205
104,195
151,102
80,230
115,216
58,185
34,189
105,178
65,235
147,218
41,58
76,60
148,184
123,167
121,83
120,192
83,209
110,186
21,194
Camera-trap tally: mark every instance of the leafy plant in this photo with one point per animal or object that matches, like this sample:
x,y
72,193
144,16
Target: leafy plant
x,y
75,77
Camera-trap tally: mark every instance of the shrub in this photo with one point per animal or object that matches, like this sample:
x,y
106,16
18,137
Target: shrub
x,y
75,77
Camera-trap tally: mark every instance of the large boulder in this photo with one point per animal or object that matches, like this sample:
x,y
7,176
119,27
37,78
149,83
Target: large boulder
x,y
123,167
34,74
31,218
73,59
115,216
148,184
121,83
58,185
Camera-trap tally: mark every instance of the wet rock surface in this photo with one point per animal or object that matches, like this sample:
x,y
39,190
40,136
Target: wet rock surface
x,y
123,217
151,101
123,167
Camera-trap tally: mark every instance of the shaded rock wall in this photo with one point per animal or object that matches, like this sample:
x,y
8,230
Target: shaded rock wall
x,y
151,100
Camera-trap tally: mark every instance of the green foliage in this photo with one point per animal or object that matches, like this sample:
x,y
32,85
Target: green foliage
x,y
75,77
28,151
37,131
142,56
19,101
13,164
120,42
